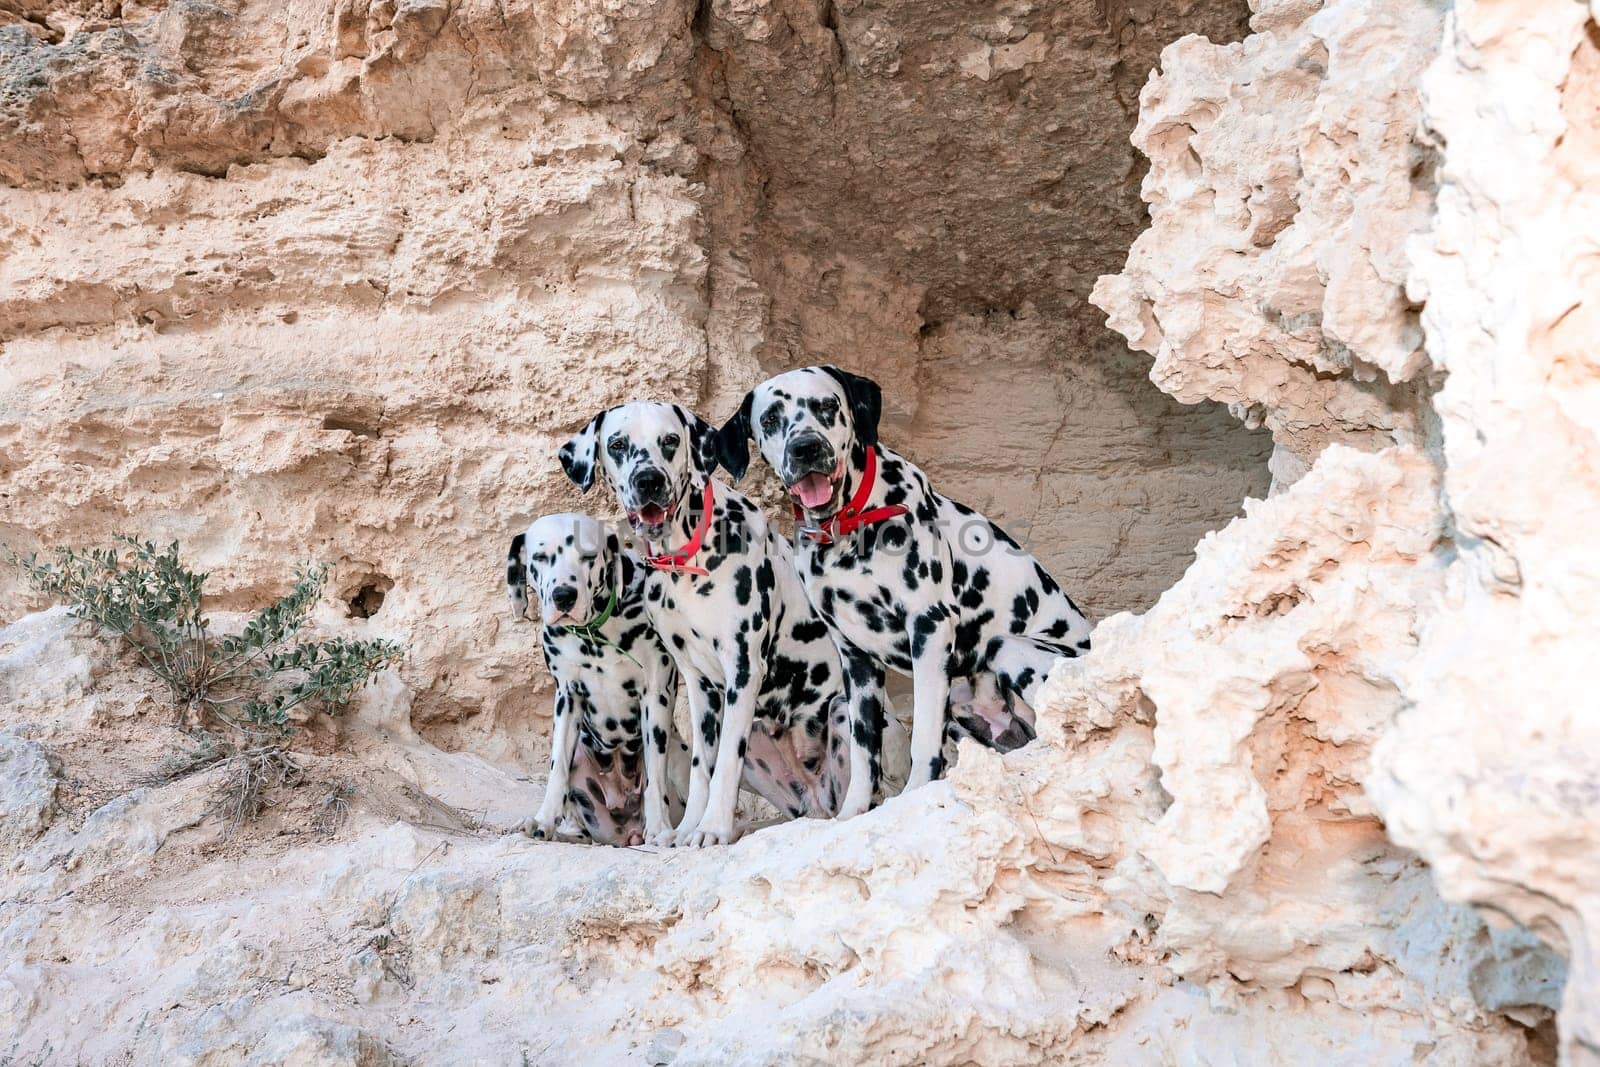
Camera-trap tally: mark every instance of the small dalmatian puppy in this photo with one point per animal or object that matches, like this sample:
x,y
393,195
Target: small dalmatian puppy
x,y
905,578
615,683
765,692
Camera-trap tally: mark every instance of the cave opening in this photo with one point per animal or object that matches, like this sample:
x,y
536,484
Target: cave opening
x,y
950,252
368,598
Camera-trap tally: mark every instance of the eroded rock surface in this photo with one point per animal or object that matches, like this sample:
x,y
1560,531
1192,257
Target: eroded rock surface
x,y
1290,168
1492,772
1023,910
1418,282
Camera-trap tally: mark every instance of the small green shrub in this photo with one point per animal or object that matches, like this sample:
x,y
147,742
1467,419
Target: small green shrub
x,y
251,680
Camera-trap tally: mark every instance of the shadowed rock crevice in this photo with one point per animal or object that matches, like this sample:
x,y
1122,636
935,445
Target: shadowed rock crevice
x,y
927,195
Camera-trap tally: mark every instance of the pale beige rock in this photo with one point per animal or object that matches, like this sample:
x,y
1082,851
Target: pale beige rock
x,y
1290,169
1491,770
42,669
1477,751
28,783
202,86
1268,673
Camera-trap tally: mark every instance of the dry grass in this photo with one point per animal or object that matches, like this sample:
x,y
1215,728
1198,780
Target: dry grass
x,y
207,752
248,777
332,809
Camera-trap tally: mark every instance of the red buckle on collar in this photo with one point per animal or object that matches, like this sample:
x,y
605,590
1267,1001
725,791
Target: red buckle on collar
x,y
851,517
678,562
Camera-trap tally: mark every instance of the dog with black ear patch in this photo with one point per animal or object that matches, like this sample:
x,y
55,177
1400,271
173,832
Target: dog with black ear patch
x,y
616,762
764,685
906,578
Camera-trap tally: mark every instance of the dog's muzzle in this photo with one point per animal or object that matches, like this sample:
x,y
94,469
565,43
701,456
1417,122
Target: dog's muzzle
x,y
649,486
806,454
650,506
811,470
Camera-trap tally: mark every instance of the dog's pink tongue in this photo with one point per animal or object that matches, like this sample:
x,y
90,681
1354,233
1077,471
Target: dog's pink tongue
x,y
813,490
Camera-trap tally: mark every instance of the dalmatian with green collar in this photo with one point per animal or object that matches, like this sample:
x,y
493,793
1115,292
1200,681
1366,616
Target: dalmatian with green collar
x,y
764,685
616,763
906,578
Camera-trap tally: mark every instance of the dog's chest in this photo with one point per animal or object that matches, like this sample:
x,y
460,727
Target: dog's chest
x,y
613,684
699,615
692,638
754,597
870,590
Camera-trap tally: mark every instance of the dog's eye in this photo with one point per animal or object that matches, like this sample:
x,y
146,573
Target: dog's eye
x,y
769,421
828,406
669,445
616,445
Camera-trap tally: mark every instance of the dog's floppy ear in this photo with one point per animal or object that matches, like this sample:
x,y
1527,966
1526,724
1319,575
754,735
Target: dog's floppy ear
x,y
866,403
581,454
702,441
733,441
517,577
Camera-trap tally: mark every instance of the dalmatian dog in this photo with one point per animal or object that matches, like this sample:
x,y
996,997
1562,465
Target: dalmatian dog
x,y
905,577
616,763
764,685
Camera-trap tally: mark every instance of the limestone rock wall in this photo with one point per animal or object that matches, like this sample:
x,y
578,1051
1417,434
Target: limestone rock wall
x,y
1491,770
1284,167
332,280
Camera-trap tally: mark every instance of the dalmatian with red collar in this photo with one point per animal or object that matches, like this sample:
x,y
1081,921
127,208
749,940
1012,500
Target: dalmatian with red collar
x,y
764,683
616,763
905,577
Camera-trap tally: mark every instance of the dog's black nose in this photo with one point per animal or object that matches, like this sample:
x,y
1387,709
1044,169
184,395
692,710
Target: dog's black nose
x,y
564,597
649,483
809,452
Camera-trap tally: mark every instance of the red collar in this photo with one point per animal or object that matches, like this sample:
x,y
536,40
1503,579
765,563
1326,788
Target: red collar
x,y
851,517
679,561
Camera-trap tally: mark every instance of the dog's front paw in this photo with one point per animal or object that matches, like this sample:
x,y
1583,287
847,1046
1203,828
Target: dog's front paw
x,y
540,829
850,809
708,836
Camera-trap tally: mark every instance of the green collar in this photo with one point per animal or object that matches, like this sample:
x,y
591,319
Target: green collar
x,y
591,629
